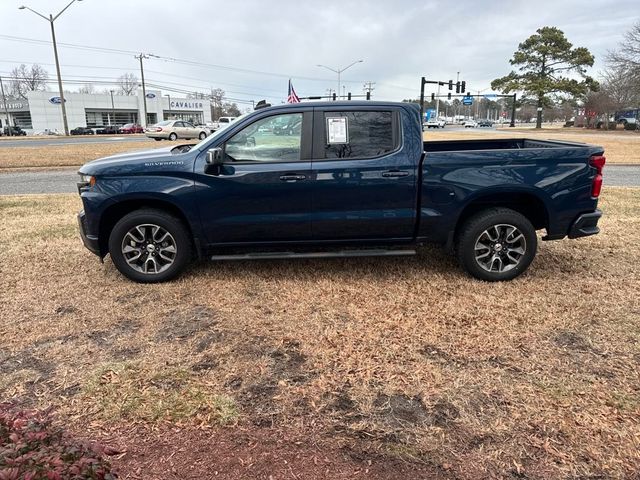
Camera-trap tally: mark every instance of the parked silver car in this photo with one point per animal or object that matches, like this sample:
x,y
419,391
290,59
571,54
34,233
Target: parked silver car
x,y
174,129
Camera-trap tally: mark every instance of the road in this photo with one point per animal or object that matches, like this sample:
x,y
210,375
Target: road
x,y
7,142
64,180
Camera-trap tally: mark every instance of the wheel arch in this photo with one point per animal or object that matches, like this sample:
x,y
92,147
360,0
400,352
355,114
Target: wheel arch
x,y
118,210
526,202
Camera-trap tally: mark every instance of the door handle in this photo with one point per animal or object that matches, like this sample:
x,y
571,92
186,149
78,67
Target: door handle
x,y
290,177
395,173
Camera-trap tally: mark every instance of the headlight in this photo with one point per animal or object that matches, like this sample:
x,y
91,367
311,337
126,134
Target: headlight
x,y
86,181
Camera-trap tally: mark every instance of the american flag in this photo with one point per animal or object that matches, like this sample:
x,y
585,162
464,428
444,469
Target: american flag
x,y
292,97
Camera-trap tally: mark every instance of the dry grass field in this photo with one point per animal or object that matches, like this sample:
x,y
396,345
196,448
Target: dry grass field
x,y
397,360
621,147
67,155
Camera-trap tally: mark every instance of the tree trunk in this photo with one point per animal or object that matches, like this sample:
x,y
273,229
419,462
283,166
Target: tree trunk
x,y
539,113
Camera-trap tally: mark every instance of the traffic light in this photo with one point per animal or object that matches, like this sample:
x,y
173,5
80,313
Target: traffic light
x,y
433,97
450,84
463,86
449,96
457,87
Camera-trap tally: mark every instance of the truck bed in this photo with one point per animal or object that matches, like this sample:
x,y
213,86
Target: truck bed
x,y
494,144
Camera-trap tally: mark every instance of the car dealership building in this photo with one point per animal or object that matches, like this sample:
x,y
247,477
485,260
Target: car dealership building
x,y
41,110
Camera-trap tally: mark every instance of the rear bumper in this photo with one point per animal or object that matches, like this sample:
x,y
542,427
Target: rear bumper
x,y
585,225
90,241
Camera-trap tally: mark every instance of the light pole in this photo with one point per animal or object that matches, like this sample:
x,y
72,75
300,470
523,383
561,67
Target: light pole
x,y
51,19
113,109
169,96
340,70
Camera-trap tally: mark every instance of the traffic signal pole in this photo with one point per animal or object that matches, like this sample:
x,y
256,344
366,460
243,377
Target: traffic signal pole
x,y
460,86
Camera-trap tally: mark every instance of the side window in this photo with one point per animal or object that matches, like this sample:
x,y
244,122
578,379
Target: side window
x,y
188,124
271,139
359,134
178,124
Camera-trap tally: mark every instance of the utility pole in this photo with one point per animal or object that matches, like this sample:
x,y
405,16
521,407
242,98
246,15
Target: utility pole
x,y
6,109
144,89
113,109
368,88
169,96
52,19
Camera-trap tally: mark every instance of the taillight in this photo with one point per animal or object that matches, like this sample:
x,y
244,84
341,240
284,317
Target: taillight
x,y
158,129
597,161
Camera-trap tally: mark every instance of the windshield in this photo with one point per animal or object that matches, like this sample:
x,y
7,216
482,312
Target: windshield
x,y
218,132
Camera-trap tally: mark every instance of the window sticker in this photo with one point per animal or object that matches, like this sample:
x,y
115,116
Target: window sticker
x,y
337,130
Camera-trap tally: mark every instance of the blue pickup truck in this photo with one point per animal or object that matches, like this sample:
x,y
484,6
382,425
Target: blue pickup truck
x,y
337,179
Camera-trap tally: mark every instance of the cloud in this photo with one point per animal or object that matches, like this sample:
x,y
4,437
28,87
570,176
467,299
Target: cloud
x,y
399,41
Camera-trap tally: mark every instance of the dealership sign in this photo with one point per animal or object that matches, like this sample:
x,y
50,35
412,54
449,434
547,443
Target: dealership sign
x,y
56,100
186,105
18,106
151,95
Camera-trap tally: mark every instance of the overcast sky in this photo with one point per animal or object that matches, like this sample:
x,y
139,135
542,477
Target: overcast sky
x,y
253,46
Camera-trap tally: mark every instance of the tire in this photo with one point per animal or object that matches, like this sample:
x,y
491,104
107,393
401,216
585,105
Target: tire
x,y
158,139
202,135
496,244
173,136
161,239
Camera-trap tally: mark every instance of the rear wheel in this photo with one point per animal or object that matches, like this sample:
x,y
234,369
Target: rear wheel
x,y
173,136
496,244
149,246
202,136
158,139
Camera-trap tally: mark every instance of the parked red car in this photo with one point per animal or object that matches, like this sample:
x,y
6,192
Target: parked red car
x,y
131,128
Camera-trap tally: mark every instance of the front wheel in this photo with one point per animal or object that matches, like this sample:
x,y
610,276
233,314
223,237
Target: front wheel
x,y
496,244
202,136
149,246
173,137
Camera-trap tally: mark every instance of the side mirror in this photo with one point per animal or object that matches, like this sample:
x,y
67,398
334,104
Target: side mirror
x,y
214,156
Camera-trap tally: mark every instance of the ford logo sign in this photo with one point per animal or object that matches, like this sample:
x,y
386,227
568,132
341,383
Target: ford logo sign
x,y
56,100
151,95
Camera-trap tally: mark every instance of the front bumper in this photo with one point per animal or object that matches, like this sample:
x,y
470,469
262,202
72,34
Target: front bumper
x,y
90,241
585,225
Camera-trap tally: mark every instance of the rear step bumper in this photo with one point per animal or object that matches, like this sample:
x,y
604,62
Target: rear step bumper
x,y
585,225
336,254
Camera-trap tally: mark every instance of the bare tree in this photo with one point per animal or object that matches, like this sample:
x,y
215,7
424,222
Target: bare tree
x,y
128,84
627,56
27,79
87,89
217,98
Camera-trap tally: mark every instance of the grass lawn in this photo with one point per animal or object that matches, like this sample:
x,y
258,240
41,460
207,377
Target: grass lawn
x,y
60,154
383,359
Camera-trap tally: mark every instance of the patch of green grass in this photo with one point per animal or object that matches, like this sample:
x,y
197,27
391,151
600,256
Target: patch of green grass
x,y
131,391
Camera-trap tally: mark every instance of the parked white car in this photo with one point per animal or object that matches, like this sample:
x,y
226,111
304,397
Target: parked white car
x,y
175,129
470,124
223,122
435,123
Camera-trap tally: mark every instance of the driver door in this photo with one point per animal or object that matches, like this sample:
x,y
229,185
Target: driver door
x,y
260,194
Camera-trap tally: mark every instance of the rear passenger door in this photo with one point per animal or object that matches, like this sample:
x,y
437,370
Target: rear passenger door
x,y
363,179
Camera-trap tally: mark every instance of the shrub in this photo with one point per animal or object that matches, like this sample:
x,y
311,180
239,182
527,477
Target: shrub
x,y
32,448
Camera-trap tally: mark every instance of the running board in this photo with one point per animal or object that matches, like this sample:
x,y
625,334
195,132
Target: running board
x,y
336,254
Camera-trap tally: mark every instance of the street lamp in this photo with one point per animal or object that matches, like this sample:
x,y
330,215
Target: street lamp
x,y
340,70
169,96
51,19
